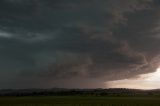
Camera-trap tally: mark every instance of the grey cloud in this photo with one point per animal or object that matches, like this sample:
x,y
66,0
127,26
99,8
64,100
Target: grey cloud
x,y
82,41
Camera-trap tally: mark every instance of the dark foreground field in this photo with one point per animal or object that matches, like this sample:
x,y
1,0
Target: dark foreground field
x,y
79,101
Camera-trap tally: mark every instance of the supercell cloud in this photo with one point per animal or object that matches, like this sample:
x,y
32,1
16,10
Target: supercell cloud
x,y
77,43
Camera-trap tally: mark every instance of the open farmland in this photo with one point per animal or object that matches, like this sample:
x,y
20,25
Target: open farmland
x,y
79,101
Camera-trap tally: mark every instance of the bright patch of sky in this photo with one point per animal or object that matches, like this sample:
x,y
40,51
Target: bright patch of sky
x,y
145,81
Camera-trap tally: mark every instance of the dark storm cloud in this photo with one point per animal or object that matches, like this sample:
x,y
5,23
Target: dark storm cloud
x,y
76,43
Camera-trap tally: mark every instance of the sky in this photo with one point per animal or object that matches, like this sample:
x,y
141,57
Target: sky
x,y
144,81
79,43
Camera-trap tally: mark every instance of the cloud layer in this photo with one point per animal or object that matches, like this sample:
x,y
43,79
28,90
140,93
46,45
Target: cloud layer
x,y
77,43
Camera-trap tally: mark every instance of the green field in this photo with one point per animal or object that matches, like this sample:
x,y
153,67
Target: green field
x,y
79,101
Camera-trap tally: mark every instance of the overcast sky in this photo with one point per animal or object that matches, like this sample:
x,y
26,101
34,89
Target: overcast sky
x,y
77,43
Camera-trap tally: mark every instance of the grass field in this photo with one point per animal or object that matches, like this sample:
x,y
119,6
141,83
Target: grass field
x,y
79,101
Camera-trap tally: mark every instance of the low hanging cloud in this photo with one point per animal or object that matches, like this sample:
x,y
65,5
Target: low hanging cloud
x,y
80,43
